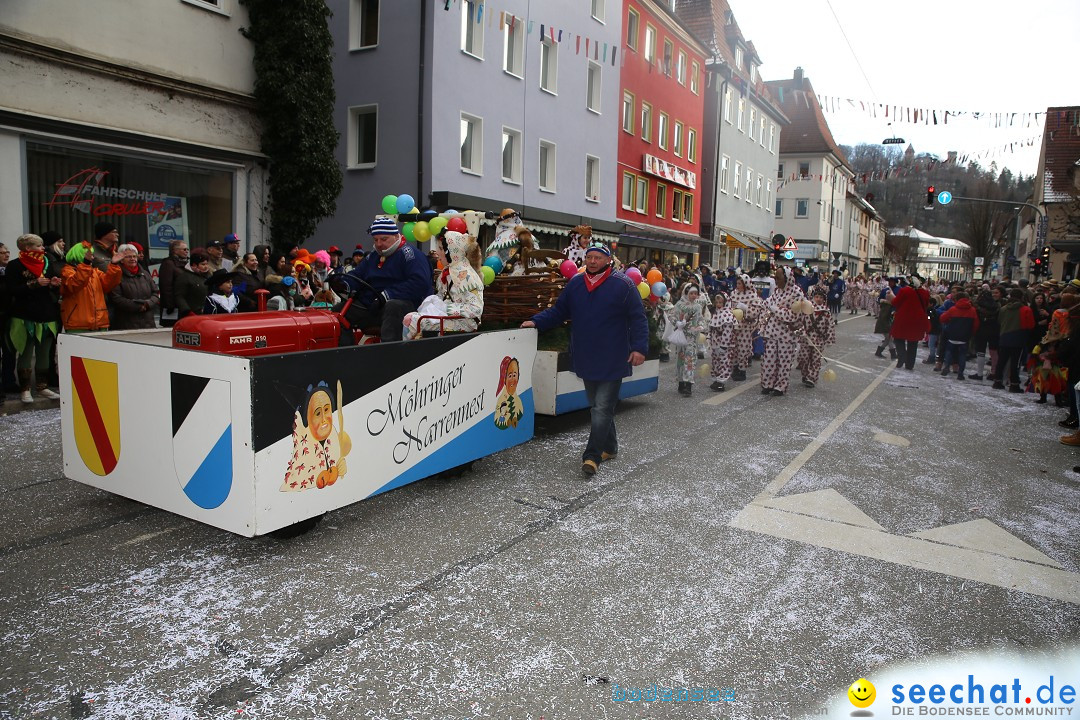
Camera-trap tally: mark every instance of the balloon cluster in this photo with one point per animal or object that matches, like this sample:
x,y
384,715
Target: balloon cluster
x,y
492,267
421,230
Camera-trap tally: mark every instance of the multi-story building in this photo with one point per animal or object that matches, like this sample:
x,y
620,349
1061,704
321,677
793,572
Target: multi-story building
x,y
864,228
813,174
936,258
1057,191
102,120
473,108
743,126
662,85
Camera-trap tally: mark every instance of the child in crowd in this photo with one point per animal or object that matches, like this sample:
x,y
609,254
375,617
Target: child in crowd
x,y
722,326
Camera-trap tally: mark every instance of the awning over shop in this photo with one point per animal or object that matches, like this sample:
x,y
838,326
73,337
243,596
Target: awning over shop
x,y
739,241
647,237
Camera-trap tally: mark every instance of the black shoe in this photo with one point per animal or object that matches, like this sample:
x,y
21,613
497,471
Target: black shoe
x,y
899,364
892,353
1070,422
998,385
765,391
945,372
685,388
1059,401
1015,389
1041,400
959,376
738,375
877,353
776,393
664,357
717,386
807,383
928,361
975,377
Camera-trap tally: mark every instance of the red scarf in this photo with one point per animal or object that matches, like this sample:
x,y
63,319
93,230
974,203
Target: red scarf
x,y
594,281
33,261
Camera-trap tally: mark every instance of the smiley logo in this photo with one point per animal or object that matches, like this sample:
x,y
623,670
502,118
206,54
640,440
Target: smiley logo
x,y
862,693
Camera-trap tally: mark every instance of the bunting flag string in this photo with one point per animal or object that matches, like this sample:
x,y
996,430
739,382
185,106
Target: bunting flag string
x,y
924,116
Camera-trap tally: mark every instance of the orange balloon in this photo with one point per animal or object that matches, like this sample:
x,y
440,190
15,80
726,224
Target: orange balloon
x,y
654,277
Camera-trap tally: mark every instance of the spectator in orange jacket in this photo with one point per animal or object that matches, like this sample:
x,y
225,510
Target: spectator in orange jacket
x,y
83,307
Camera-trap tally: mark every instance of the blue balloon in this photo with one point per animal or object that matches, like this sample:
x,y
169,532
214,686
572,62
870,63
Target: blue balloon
x,y
405,203
659,289
450,211
495,263
429,213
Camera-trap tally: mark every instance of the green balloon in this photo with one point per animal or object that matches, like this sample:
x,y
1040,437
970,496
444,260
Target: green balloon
x,y
389,204
407,231
488,274
436,224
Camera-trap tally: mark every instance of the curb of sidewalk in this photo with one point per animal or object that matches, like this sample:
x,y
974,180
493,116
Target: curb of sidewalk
x,y
13,405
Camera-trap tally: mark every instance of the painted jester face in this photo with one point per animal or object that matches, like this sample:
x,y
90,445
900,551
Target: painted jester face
x,y
320,416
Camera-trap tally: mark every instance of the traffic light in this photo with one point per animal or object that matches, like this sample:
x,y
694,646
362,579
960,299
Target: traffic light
x,y
1037,267
930,196
777,250
1043,261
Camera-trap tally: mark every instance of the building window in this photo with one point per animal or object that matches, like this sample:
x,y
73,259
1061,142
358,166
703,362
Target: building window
x,y
691,145
761,134
514,48
741,111
780,171
749,188
779,208
753,73
472,144
363,137
724,173
592,102
632,22
687,208
804,169
217,6
646,122
802,208
738,58
728,103
661,200
592,178
752,129
628,112
641,196
363,24
768,193
511,155
662,131
760,190
650,43
676,205
680,68
549,66
772,137
695,71
472,29
598,10
547,166
678,139
669,49
737,179
628,191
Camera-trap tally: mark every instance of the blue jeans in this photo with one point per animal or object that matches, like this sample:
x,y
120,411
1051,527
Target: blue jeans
x,y
603,396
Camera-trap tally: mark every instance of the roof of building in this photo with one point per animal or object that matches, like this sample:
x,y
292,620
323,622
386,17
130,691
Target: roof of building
x,y
1061,154
916,234
808,132
714,23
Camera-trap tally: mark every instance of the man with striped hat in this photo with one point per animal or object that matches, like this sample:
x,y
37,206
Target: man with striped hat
x,y
400,276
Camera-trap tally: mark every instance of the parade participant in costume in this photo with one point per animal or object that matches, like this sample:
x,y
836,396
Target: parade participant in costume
x,y
524,238
508,408
459,288
820,331
83,306
722,331
32,284
580,238
135,299
883,326
781,327
686,316
318,458
745,300
609,336
220,297
401,277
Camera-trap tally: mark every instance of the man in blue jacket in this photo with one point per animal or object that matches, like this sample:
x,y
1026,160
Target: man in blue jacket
x,y
401,277
609,334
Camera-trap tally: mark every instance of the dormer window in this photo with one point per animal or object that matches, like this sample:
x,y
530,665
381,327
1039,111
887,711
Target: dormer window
x,y
753,73
738,58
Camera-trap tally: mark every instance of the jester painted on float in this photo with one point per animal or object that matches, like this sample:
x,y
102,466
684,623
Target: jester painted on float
x,y
781,333
746,300
318,458
820,331
686,316
459,289
508,409
722,330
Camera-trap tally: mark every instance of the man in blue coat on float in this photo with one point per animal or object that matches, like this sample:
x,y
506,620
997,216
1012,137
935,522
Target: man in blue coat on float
x,y
609,336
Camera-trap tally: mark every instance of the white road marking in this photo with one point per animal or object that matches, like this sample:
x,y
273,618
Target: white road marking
x,y
147,536
844,365
745,385
890,439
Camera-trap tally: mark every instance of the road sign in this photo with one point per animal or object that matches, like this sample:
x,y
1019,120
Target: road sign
x,y
978,262
790,245
944,197
789,255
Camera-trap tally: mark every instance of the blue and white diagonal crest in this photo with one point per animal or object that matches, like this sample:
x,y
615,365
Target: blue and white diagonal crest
x,y
202,438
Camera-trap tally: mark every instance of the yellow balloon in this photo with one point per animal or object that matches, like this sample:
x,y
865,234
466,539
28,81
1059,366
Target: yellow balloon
x,y
643,290
829,375
703,370
414,211
738,313
701,338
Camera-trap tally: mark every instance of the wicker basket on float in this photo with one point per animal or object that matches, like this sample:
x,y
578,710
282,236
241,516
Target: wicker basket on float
x,y
516,298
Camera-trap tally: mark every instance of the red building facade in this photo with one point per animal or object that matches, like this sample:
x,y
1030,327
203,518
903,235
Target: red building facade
x,y
660,137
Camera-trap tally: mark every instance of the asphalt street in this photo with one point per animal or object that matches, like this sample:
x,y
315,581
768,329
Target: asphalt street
x,y
769,551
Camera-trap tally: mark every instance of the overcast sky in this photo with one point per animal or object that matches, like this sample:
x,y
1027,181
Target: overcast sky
x,y
986,55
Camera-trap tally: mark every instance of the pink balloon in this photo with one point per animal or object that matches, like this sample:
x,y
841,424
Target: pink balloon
x,y
568,268
634,274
